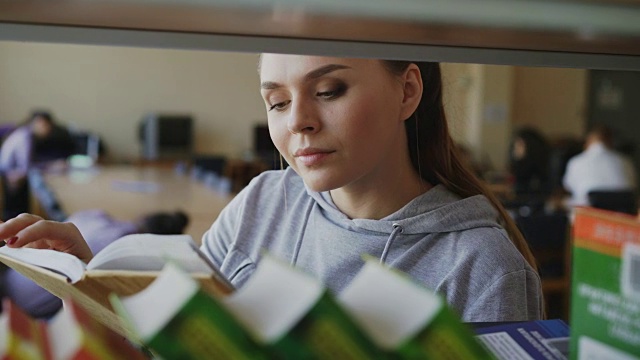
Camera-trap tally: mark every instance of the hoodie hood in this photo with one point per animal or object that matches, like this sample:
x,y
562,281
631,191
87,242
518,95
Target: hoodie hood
x,y
436,211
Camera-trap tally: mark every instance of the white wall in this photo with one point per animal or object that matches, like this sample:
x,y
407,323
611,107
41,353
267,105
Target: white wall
x,y
460,84
496,114
552,100
478,101
108,90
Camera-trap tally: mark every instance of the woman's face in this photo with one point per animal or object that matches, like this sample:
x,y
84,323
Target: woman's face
x,y
519,149
336,121
40,127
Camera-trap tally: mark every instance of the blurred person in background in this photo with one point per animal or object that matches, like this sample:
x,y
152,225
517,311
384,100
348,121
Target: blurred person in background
x,y
529,162
598,167
37,142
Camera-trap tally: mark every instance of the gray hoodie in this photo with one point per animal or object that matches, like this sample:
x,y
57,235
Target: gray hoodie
x,y
451,245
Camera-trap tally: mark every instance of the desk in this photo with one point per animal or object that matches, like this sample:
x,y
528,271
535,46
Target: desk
x,y
126,192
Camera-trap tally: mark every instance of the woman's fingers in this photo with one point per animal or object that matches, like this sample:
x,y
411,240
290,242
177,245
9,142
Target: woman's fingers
x,y
32,231
12,227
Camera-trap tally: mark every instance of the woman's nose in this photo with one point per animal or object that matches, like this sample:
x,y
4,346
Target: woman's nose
x,y
303,119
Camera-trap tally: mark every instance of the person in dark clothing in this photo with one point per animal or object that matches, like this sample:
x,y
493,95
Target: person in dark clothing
x,y
39,141
529,163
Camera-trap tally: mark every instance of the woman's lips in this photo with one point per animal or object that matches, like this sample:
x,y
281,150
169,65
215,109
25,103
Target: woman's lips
x,y
311,156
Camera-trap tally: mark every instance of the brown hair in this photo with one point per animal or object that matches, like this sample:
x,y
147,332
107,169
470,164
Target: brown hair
x,y
434,154
603,133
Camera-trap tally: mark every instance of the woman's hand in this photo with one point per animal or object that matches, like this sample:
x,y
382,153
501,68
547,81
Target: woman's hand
x,y
27,230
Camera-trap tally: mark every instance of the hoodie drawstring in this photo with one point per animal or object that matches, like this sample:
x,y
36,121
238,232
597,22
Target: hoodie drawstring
x,y
296,249
397,229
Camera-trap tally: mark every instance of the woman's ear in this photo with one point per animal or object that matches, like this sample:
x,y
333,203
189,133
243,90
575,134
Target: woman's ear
x,y
412,90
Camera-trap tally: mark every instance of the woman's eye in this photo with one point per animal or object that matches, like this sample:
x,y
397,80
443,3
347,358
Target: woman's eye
x,y
331,94
279,106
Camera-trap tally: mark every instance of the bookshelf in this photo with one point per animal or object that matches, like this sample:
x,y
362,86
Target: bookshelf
x,y
593,34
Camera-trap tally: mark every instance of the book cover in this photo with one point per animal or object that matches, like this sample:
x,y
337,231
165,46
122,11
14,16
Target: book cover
x,y
531,340
177,320
405,319
21,336
293,316
325,331
605,301
65,276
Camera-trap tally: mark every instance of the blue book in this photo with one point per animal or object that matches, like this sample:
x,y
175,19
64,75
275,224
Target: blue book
x,y
542,339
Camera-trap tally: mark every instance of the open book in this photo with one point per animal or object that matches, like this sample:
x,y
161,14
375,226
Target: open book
x,y
124,267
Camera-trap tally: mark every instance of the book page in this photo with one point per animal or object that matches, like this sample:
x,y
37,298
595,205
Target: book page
x,y
149,252
62,263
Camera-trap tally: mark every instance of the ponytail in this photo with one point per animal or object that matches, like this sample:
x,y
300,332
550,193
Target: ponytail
x,y
436,157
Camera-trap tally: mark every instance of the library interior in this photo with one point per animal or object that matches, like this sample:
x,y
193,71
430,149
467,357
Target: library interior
x,y
122,117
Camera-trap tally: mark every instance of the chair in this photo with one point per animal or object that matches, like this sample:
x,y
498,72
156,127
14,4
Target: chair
x,y
624,201
44,202
548,237
210,163
87,143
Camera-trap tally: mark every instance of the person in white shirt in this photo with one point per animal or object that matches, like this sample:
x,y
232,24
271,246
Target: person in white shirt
x,y
598,167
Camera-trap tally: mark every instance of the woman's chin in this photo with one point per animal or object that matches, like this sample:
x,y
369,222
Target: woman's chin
x,y
320,183
315,187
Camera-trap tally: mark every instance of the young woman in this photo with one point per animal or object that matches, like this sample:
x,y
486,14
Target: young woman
x,y
374,171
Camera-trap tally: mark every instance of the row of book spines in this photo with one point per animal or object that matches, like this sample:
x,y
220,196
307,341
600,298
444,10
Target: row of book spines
x,y
205,329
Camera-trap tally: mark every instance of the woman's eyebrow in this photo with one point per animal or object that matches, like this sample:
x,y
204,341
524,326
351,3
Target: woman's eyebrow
x,y
314,74
324,70
269,85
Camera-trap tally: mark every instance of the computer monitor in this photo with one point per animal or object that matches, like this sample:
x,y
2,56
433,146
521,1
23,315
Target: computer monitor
x,y
165,136
624,201
264,148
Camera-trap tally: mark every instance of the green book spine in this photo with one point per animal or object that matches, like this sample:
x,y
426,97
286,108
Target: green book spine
x,y
444,338
203,329
326,332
